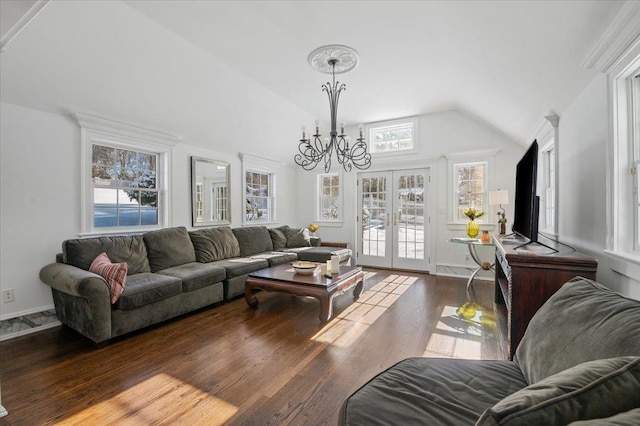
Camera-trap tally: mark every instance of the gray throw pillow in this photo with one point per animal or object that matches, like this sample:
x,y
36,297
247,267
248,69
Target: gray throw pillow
x,y
298,237
253,240
169,247
213,244
81,252
592,390
580,314
278,237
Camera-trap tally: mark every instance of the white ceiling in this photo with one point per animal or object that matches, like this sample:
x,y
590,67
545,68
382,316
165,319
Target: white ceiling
x,y
505,63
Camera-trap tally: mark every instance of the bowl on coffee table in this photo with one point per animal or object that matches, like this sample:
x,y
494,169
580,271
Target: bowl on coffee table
x,y
304,268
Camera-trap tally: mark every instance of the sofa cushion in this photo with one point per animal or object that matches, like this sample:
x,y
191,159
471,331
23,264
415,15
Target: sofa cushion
x,y
80,252
278,237
324,253
298,237
591,390
196,275
214,244
241,266
169,247
253,239
146,288
432,391
115,274
589,322
276,258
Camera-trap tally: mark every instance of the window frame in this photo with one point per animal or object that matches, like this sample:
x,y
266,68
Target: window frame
x,y
484,192
622,223
389,124
256,164
125,136
319,198
547,137
467,157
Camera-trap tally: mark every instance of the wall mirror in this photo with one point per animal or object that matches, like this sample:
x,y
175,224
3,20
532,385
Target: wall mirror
x,y
210,192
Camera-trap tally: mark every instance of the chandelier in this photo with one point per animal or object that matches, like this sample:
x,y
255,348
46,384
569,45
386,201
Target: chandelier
x,y
333,59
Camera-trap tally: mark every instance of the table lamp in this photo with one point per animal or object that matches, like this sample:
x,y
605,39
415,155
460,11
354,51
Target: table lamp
x,y
498,198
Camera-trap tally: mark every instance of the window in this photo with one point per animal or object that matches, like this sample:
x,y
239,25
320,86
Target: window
x,y
547,201
395,136
634,136
547,137
125,193
258,196
259,182
125,176
329,198
623,235
471,188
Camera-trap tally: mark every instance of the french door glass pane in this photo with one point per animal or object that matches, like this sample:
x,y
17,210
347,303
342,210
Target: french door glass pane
x,y
410,216
374,213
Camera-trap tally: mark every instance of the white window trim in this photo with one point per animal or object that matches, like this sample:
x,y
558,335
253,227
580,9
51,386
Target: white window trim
x,y
114,133
389,123
476,156
340,219
617,54
259,164
547,137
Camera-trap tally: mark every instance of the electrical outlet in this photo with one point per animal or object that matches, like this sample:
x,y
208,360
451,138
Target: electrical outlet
x,y
7,295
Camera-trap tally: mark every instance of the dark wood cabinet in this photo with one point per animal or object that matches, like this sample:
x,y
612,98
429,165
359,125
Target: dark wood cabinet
x,y
527,276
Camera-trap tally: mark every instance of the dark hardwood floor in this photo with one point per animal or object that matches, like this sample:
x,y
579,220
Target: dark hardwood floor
x,y
232,364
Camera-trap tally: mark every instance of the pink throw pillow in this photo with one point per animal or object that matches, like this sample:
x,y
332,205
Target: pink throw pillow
x,y
114,273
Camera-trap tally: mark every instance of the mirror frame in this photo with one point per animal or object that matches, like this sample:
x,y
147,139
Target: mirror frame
x,y
194,162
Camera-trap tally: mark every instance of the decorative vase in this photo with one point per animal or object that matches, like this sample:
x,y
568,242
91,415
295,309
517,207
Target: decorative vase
x,y
473,229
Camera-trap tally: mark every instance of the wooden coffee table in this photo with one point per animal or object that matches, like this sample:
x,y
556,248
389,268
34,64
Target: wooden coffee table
x,y
283,278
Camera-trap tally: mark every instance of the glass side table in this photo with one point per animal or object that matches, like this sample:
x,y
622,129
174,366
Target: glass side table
x,y
472,243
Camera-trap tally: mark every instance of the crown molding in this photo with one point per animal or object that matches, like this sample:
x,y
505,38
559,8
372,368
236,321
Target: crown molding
x,y
22,22
104,125
621,33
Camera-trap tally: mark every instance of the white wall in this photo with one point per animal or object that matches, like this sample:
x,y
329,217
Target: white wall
x,y
40,197
440,133
582,181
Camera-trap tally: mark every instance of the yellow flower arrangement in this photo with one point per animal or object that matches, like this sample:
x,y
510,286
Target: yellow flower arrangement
x,y
472,213
313,227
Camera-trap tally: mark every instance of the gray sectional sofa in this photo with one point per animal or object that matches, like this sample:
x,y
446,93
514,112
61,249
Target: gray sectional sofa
x,y
578,363
170,272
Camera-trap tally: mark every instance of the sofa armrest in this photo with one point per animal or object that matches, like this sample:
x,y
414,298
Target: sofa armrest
x,y
75,281
81,298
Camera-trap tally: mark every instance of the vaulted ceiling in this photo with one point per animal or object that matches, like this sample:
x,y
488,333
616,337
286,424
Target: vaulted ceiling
x,y
506,63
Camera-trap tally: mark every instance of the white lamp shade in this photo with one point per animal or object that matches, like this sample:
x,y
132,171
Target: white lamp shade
x,y
501,196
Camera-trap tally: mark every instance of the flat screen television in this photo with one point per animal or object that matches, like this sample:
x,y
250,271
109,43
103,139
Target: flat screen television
x,y
526,207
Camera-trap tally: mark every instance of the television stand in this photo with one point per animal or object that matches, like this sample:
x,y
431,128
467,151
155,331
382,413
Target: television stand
x,y
527,277
538,243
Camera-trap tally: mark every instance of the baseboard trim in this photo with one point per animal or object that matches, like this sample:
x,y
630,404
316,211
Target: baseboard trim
x,y
3,411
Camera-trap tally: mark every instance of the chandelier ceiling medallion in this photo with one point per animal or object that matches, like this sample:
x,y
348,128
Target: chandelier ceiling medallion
x,y
333,59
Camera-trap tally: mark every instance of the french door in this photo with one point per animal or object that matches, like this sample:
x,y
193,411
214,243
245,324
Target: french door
x,y
392,219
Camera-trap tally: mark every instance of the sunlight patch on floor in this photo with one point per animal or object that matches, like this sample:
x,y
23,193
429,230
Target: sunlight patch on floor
x,y
160,396
458,337
347,327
